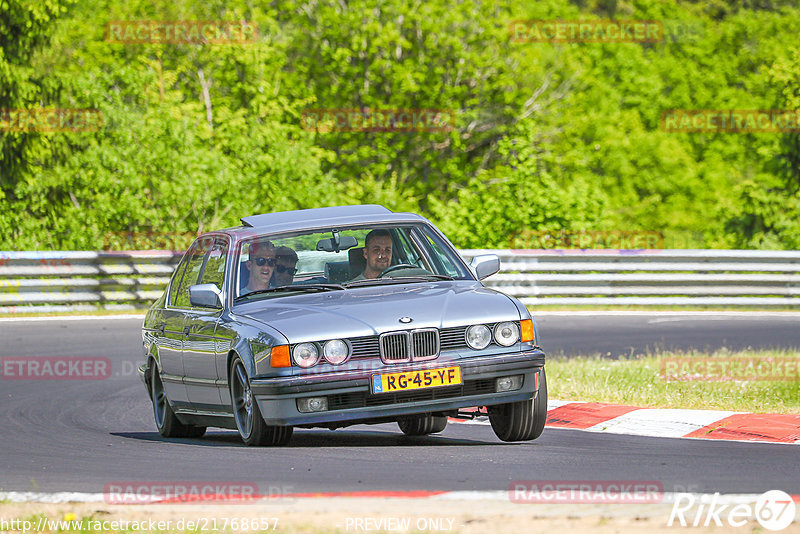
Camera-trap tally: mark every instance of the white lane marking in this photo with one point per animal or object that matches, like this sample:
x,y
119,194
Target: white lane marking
x,y
54,498
715,318
70,318
668,496
663,423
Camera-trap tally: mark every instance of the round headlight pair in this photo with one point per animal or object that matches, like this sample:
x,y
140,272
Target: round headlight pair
x,y
505,334
307,355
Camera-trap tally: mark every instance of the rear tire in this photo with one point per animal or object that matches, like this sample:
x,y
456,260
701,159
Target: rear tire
x,y
166,421
523,420
422,425
249,421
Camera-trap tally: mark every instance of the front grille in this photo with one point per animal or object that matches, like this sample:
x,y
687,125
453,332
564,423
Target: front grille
x,y
394,347
362,399
425,344
453,338
365,347
414,345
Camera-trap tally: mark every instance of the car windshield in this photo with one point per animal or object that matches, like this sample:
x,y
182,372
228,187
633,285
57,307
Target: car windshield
x,y
344,258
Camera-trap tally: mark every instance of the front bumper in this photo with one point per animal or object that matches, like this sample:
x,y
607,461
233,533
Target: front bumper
x,y
350,397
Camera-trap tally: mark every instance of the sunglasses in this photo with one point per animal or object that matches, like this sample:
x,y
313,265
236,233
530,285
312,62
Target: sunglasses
x,y
282,269
261,261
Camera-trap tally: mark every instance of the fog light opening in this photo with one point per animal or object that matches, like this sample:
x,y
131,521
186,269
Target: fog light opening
x,y
312,404
508,383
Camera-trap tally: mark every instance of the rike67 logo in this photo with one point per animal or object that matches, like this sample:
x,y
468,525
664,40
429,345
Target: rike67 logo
x,y
774,510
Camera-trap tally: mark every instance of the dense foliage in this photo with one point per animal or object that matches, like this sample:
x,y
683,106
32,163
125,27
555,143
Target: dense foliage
x,y
547,136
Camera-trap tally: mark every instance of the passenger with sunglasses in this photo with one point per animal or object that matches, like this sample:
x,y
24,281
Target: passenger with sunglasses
x,y
261,264
286,260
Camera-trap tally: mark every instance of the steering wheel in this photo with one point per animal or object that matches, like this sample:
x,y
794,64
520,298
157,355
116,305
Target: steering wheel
x,y
398,266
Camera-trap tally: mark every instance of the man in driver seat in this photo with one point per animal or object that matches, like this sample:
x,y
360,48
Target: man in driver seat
x,y
377,252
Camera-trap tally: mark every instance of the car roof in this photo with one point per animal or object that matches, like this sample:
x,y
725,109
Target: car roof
x,y
283,221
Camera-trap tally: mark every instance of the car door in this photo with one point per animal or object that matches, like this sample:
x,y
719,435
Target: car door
x,y
168,338
175,322
199,350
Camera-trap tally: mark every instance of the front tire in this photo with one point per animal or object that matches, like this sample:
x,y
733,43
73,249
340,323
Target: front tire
x,y
523,420
422,425
249,421
166,421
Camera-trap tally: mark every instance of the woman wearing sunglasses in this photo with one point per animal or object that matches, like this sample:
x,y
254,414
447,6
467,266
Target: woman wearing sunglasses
x,y
261,265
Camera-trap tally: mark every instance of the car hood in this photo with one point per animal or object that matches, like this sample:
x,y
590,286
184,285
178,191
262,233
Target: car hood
x,y
373,310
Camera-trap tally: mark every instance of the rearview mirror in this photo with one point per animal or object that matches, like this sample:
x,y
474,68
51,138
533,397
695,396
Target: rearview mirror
x,y
329,245
485,265
205,296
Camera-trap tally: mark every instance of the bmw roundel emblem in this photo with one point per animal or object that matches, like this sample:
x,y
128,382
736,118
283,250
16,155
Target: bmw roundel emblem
x,y
406,320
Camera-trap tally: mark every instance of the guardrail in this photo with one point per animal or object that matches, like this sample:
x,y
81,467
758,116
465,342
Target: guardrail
x,y
648,277
85,281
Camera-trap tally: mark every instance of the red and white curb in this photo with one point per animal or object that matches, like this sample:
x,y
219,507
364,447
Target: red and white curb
x,y
668,423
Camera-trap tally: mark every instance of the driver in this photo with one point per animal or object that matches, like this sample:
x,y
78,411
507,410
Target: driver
x,y
377,252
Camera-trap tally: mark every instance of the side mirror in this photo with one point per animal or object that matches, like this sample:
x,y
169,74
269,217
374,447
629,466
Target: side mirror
x,y
205,296
485,265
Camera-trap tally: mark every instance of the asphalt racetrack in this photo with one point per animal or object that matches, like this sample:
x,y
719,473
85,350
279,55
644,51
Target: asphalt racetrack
x,y
83,435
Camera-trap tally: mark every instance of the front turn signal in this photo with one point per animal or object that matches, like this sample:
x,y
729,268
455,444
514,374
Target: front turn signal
x,y
525,331
280,356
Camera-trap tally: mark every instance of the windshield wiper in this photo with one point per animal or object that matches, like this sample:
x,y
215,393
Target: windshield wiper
x,y
305,288
397,280
432,275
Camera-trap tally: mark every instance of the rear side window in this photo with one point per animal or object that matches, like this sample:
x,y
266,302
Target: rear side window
x,y
180,296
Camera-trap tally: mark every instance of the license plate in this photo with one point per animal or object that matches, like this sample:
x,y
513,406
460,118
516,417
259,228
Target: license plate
x,y
428,378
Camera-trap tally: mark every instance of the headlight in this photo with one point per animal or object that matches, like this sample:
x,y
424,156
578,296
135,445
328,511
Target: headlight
x,y
506,334
336,351
479,336
305,354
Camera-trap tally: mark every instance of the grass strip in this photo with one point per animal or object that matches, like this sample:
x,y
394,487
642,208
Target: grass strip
x,y
757,381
